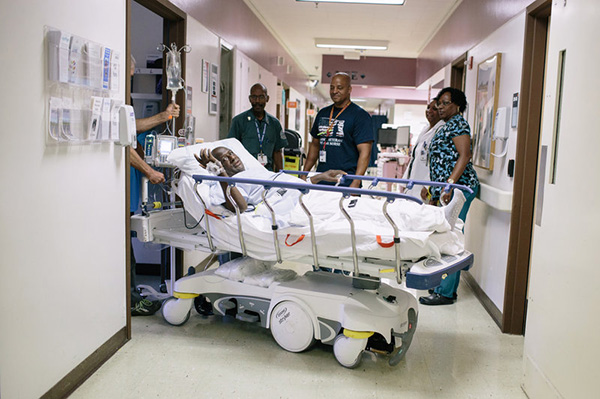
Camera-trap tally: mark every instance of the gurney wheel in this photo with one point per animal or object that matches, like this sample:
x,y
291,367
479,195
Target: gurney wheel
x,y
292,327
348,351
176,311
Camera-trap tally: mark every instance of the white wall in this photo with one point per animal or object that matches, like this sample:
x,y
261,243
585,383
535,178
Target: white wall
x,y
62,284
246,73
563,316
205,46
487,229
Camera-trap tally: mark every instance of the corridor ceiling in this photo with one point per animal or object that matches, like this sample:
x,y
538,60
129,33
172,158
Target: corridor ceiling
x,y
296,25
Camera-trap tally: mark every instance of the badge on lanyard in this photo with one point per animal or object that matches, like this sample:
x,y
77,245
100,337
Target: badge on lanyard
x,y
424,153
322,156
262,158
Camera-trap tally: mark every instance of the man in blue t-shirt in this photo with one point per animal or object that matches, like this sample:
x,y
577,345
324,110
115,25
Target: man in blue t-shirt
x,y
260,132
342,134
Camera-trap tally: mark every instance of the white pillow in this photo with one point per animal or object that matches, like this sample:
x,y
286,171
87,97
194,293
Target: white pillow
x,y
184,159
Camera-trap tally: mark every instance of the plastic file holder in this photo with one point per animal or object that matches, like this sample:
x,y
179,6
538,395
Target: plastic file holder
x,y
82,89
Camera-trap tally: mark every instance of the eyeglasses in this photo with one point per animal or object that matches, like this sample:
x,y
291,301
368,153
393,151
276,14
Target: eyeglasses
x,y
443,103
260,97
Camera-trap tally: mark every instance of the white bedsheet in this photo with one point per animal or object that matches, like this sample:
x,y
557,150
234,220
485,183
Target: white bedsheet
x,y
420,236
424,230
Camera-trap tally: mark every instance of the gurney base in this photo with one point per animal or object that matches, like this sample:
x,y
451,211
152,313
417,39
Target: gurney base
x,y
315,306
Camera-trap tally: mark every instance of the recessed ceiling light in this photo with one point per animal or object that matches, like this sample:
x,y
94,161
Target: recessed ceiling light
x,y
382,2
352,44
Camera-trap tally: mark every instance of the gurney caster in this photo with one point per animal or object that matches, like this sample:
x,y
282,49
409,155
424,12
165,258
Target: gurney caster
x,y
176,311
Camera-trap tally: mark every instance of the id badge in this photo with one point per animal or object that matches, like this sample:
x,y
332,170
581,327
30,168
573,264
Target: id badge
x,y
423,156
322,156
262,158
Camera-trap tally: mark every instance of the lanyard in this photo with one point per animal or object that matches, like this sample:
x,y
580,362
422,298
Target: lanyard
x,y
331,122
261,137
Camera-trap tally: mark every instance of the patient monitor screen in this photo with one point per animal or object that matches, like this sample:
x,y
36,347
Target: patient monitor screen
x,y
165,147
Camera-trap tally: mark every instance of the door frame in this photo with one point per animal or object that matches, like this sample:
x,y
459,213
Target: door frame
x,y
526,165
174,31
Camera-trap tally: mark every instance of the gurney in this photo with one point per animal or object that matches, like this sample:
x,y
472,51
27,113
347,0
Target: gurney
x,y
363,308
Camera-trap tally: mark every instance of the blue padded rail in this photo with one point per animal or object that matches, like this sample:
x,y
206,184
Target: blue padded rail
x,y
305,187
424,281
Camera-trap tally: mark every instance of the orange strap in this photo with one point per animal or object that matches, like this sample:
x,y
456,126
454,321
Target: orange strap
x,y
209,213
295,242
384,244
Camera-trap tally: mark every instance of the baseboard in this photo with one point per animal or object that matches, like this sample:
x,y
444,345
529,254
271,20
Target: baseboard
x,y
86,368
485,300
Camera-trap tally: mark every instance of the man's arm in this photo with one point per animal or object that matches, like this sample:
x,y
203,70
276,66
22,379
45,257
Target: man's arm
x,y
277,160
137,162
364,156
332,175
143,124
311,158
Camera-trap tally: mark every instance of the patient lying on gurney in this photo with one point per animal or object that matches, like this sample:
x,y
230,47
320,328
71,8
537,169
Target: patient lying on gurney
x,y
424,230
412,216
224,162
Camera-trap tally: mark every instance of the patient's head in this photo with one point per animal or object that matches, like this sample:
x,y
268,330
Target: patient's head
x,y
231,162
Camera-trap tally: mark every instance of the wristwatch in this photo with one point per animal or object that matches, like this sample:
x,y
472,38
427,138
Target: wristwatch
x,y
450,180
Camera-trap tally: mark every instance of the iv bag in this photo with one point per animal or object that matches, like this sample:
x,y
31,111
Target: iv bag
x,y
174,70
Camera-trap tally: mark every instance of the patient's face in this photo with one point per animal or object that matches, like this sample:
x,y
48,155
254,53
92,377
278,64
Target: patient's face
x,y
231,162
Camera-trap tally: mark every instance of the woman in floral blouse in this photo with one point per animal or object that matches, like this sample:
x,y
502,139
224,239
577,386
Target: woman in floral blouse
x,y
450,161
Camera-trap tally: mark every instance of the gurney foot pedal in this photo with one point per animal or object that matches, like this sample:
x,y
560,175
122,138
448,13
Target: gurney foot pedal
x,y
366,282
203,306
250,318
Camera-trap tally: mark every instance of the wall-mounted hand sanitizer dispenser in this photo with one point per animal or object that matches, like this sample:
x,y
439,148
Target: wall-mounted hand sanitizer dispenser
x,y
127,130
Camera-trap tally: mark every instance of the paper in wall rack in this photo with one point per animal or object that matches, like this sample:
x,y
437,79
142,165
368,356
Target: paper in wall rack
x,y
82,89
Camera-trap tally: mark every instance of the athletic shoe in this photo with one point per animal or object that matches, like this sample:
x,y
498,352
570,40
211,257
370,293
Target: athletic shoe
x,y
145,308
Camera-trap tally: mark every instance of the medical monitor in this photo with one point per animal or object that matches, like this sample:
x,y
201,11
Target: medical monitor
x,y
390,137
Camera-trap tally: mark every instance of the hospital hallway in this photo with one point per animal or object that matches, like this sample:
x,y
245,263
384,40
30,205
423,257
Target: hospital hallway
x,y
457,352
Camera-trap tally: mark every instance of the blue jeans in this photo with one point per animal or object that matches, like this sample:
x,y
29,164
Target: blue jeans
x,y
449,285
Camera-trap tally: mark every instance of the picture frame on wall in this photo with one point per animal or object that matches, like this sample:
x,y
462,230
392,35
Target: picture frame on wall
x,y
486,105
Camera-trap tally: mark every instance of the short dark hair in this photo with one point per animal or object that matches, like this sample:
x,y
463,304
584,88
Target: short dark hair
x,y
456,96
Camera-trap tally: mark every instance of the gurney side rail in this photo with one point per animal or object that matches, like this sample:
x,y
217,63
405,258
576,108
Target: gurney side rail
x,y
346,193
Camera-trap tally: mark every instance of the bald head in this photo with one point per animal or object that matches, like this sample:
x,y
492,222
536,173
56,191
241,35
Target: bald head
x,y
259,86
340,89
344,77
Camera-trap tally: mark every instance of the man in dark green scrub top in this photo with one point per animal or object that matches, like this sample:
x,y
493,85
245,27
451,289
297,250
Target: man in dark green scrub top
x,y
260,132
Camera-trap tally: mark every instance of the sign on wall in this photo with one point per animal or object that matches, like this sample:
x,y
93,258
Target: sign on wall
x,y
213,104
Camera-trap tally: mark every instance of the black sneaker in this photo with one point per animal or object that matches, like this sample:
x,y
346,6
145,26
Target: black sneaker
x,y
435,299
454,296
145,308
